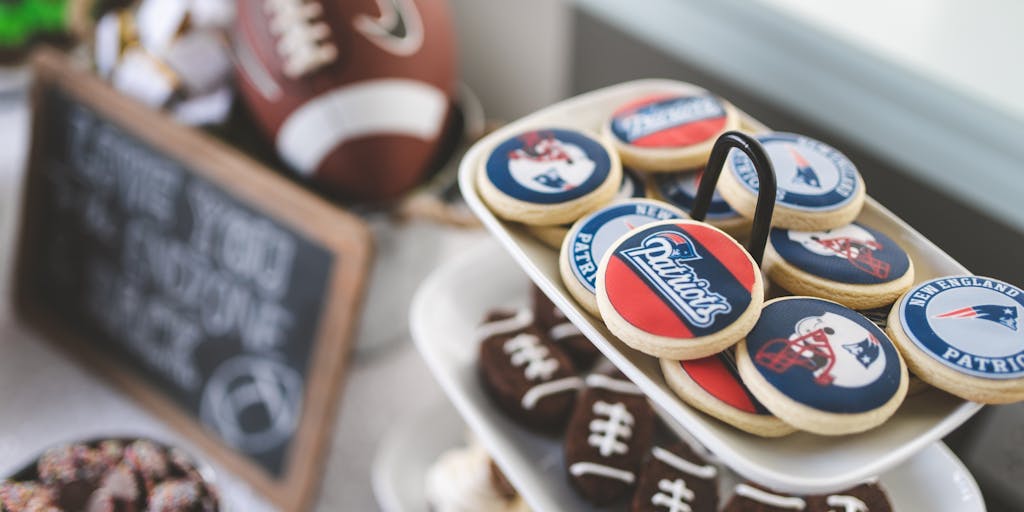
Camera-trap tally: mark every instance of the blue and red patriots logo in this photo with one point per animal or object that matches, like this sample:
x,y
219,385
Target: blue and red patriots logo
x,y
661,258
804,172
1003,315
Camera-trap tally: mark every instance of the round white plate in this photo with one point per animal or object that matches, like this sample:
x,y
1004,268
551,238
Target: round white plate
x,y
799,463
445,313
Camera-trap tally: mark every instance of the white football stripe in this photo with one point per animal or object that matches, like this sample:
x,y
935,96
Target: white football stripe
x,y
590,468
375,107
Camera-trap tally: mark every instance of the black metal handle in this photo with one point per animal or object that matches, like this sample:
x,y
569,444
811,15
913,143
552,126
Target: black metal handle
x,y
767,188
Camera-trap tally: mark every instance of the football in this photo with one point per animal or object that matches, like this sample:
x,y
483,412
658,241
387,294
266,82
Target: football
x,y
526,374
356,95
608,437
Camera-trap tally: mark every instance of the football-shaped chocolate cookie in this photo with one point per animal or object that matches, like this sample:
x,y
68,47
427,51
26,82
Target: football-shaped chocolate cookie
x,y
526,374
356,94
868,497
607,438
676,479
562,331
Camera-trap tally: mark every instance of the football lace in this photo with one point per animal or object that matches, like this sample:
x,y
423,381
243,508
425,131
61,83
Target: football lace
x,y
527,350
303,37
605,434
674,495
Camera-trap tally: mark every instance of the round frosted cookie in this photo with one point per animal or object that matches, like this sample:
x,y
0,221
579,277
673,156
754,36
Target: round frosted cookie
x,y
680,190
713,385
818,187
549,176
633,185
856,266
593,235
962,335
670,131
822,367
679,289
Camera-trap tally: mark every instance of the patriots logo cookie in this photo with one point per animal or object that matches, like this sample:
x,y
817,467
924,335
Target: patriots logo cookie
x,y
591,237
822,367
565,171
818,187
961,334
679,290
854,265
669,131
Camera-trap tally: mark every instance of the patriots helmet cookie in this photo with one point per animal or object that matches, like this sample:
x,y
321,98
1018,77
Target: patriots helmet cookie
x,y
549,176
670,131
591,237
713,385
962,334
679,289
818,187
822,367
854,265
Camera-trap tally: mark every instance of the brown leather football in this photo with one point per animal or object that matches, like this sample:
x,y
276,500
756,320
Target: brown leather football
x,y
355,94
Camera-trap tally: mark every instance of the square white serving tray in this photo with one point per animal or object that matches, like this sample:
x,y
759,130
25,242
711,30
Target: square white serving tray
x,y
445,313
799,463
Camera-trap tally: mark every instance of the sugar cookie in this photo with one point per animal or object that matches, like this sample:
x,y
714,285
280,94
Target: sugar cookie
x,y
854,265
670,131
818,187
962,335
679,289
549,176
680,190
822,367
712,384
592,236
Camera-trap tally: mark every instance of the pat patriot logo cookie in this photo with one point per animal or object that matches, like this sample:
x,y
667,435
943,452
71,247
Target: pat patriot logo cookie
x,y
669,121
824,355
548,166
811,175
970,324
595,236
851,254
679,280
680,189
717,376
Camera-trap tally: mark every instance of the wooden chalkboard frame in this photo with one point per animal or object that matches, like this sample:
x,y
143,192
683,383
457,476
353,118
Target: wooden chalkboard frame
x,y
342,234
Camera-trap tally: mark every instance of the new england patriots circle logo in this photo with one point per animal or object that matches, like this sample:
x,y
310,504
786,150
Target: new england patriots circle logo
x,y
1003,315
804,172
836,350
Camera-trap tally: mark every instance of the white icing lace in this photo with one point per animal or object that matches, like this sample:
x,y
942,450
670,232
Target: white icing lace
x,y
674,495
527,350
605,434
303,38
845,503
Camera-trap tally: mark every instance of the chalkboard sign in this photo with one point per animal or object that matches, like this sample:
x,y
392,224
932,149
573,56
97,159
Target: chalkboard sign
x,y
213,289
